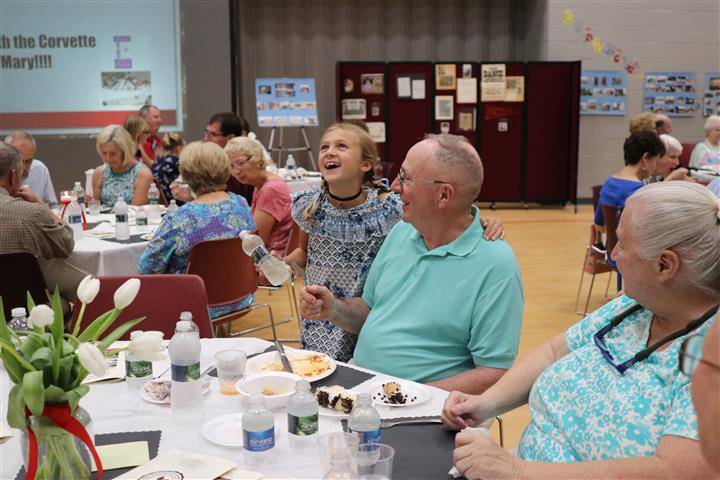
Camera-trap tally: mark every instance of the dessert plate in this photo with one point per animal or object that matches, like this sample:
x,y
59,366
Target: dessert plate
x,y
411,393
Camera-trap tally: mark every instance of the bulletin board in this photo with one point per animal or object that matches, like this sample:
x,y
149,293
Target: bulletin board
x,y
603,92
711,94
672,93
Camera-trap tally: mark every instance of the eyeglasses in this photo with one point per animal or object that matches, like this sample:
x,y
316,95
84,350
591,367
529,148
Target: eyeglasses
x,y
402,180
691,355
599,338
208,133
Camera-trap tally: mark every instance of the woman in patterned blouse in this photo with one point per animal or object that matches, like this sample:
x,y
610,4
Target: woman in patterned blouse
x,y
606,397
120,175
167,166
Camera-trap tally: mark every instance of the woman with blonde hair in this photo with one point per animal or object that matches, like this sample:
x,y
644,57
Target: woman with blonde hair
x,y
139,130
212,215
120,175
271,196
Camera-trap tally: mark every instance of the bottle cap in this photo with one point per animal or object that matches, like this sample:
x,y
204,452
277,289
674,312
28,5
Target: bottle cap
x,y
18,312
363,398
77,184
302,385
186,316
244,233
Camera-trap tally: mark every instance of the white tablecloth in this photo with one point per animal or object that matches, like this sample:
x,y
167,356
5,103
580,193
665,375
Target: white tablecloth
x,y
116,408
305,183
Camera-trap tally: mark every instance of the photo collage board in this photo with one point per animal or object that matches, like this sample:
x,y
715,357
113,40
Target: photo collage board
x,y
672,93
711,95
286,102
363,99
603,92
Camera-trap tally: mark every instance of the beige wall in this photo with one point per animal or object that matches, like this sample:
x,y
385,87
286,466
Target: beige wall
x,y
661,35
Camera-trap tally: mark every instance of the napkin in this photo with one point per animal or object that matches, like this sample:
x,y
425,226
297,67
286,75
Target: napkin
x,y
102,230
240,474
120,455
454,472
184,464
115,368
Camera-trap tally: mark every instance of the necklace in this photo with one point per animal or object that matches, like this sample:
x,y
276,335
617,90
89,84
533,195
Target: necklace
x,y
345,199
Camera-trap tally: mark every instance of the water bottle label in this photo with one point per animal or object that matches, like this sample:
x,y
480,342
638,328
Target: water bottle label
x,y
121,218
303,425
372,436
185,373
259,441
138,369
153,201
74,219
81,199
259,253
141,221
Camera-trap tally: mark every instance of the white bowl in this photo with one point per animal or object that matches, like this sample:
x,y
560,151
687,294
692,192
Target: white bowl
x,y
277,381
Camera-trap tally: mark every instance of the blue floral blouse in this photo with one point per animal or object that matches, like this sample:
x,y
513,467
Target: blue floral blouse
x,y
117,185
166,170
582,409
342,243
192,223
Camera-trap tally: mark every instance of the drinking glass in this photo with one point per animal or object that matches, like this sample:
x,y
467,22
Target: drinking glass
x,y
94,207
374,461
230,365
336,455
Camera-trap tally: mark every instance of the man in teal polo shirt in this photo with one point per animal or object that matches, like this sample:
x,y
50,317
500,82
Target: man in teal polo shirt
x,y
441,304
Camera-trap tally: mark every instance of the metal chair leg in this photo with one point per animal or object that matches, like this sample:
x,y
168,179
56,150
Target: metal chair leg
x,y
582,275
587,302
500,430
607,287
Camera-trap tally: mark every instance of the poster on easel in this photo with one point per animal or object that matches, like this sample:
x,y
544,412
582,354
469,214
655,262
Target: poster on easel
x,y
711,95
603,92
672,93
286,102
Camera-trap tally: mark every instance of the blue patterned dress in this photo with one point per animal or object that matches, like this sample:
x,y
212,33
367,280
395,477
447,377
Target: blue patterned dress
x,y
583,410
119,185
192,223
342,243
165,170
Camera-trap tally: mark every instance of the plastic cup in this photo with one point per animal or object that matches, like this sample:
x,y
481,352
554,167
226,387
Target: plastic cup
x,y
94,207
336,455
374,461
230,365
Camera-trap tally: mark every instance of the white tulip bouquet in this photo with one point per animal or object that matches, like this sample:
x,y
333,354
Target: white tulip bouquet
x,y
48,368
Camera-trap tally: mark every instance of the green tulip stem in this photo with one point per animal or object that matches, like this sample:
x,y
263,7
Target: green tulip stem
x,y
76,329
10,348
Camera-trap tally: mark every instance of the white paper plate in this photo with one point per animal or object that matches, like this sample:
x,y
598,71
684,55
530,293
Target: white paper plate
x,y
165,401
256,364
225,430
414,392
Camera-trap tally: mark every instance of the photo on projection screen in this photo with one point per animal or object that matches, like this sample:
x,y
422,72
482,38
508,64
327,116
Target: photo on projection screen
x,y
73,67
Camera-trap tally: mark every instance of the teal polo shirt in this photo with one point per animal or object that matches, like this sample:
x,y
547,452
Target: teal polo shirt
x,y
441,312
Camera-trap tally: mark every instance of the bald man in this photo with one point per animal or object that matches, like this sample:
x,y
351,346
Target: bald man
x,y
663,124
35,178
441,304
706,396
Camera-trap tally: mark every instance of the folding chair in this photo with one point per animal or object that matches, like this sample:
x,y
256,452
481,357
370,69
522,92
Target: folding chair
x,y
22,274
229,277
594,263
160,300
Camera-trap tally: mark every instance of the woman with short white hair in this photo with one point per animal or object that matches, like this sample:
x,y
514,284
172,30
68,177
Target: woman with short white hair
x,y
606,397
669,164
706,154
120,175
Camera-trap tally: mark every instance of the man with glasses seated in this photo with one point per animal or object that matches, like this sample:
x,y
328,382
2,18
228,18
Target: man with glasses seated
x,y
606,397
700,359
441,304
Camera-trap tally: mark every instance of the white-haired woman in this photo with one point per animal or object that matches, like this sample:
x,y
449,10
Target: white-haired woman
x,y
706,154
606,397
120,175
271,196
669,164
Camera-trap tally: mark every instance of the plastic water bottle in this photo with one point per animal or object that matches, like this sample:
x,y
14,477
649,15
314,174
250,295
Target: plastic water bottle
x,y
137,371
122,229
18,320
172,206
88,186
186,394
74,218
258,424
302,415
274,269
79,193
141,217
154,202
291,168
365,421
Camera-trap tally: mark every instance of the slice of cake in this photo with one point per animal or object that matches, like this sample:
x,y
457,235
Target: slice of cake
x,y
336,398
394,394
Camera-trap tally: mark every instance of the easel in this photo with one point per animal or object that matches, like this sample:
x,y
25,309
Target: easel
x,y
279,149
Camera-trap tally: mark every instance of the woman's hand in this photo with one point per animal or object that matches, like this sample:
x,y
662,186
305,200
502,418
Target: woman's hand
x,y
477,456
180,192
462,410
493,228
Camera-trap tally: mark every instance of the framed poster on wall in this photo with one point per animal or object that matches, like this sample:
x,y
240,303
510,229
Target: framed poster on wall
x,y
672,93
603,92
711,95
